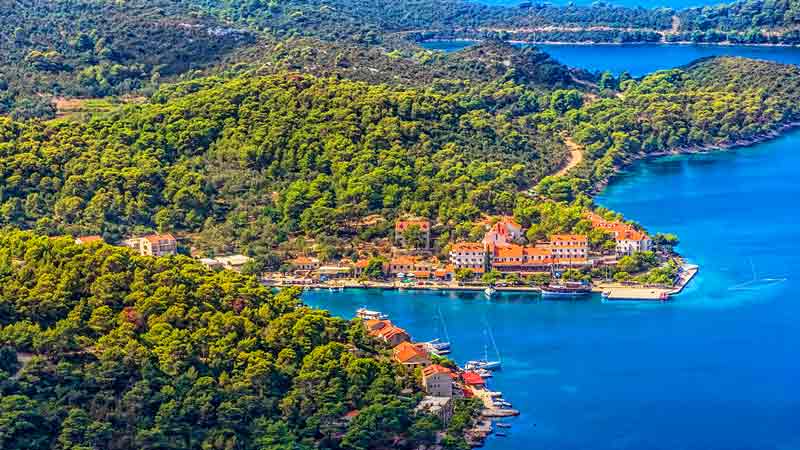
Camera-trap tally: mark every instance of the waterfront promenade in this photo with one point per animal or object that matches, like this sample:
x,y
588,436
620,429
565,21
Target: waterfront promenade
x,y
611,291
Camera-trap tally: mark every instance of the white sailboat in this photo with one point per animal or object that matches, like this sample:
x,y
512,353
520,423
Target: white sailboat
x,y
485,363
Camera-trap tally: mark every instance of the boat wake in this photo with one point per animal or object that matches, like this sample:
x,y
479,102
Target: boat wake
x,y
757,283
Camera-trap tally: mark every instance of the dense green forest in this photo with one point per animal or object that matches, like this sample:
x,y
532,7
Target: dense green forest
x,y
249,161
98,48
104,349
270,126
782,15
287,150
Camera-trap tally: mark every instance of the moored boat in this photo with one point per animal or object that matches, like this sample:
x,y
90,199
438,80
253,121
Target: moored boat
x,y
482,364
366,314
568,289
484,373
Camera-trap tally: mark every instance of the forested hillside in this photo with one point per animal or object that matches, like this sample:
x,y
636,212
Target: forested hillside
x,y
101,349
485,63
259,158
710,103
781,15
288,150
98,48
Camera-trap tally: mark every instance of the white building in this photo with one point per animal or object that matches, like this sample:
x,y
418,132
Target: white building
x,y
629,240
505,231
468,255
569,247
437,381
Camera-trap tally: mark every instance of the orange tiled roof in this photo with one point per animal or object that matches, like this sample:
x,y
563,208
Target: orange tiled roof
x,y
156,238
509,251
362,263
88,239
518,251
622,231
390,332
303,260
404,260
467,247
436,368
376,324
629,233
401,225
472,378
406,352
569,238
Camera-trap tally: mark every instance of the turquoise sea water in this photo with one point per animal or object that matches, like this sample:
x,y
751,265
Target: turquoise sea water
x,y
641,59
716,368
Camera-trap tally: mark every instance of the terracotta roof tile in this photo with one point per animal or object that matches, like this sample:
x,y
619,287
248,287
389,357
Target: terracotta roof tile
x,y
405,352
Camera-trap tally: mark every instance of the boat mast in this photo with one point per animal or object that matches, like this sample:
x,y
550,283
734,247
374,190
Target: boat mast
x,y
444,325
494,344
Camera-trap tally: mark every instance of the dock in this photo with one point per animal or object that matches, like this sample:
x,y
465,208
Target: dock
x,y
397,286
621,292
636,293
688,272
490,410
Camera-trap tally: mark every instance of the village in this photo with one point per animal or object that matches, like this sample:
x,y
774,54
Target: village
x,y
441,380
562,265
502,260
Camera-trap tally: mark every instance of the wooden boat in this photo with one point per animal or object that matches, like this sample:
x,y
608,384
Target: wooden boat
x,y
568,289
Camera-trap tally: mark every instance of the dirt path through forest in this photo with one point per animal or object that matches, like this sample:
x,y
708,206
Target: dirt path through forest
x,y
575,156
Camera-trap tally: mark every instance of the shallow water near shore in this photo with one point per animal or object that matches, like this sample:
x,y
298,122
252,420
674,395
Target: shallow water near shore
x,y
717,367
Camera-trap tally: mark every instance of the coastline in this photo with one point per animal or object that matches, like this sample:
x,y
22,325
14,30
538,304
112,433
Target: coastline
x,y
780,131
686,43
634,292
631,43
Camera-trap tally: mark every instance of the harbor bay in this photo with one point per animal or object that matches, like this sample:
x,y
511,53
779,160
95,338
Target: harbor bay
x,y
712,368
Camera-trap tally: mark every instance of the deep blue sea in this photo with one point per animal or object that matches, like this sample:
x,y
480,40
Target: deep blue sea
x,y
641,59
716,368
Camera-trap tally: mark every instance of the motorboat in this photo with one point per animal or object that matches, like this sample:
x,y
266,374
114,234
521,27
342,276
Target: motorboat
x,y
484,373
366,314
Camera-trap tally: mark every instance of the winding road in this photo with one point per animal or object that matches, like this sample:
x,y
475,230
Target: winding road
x,y
575,156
